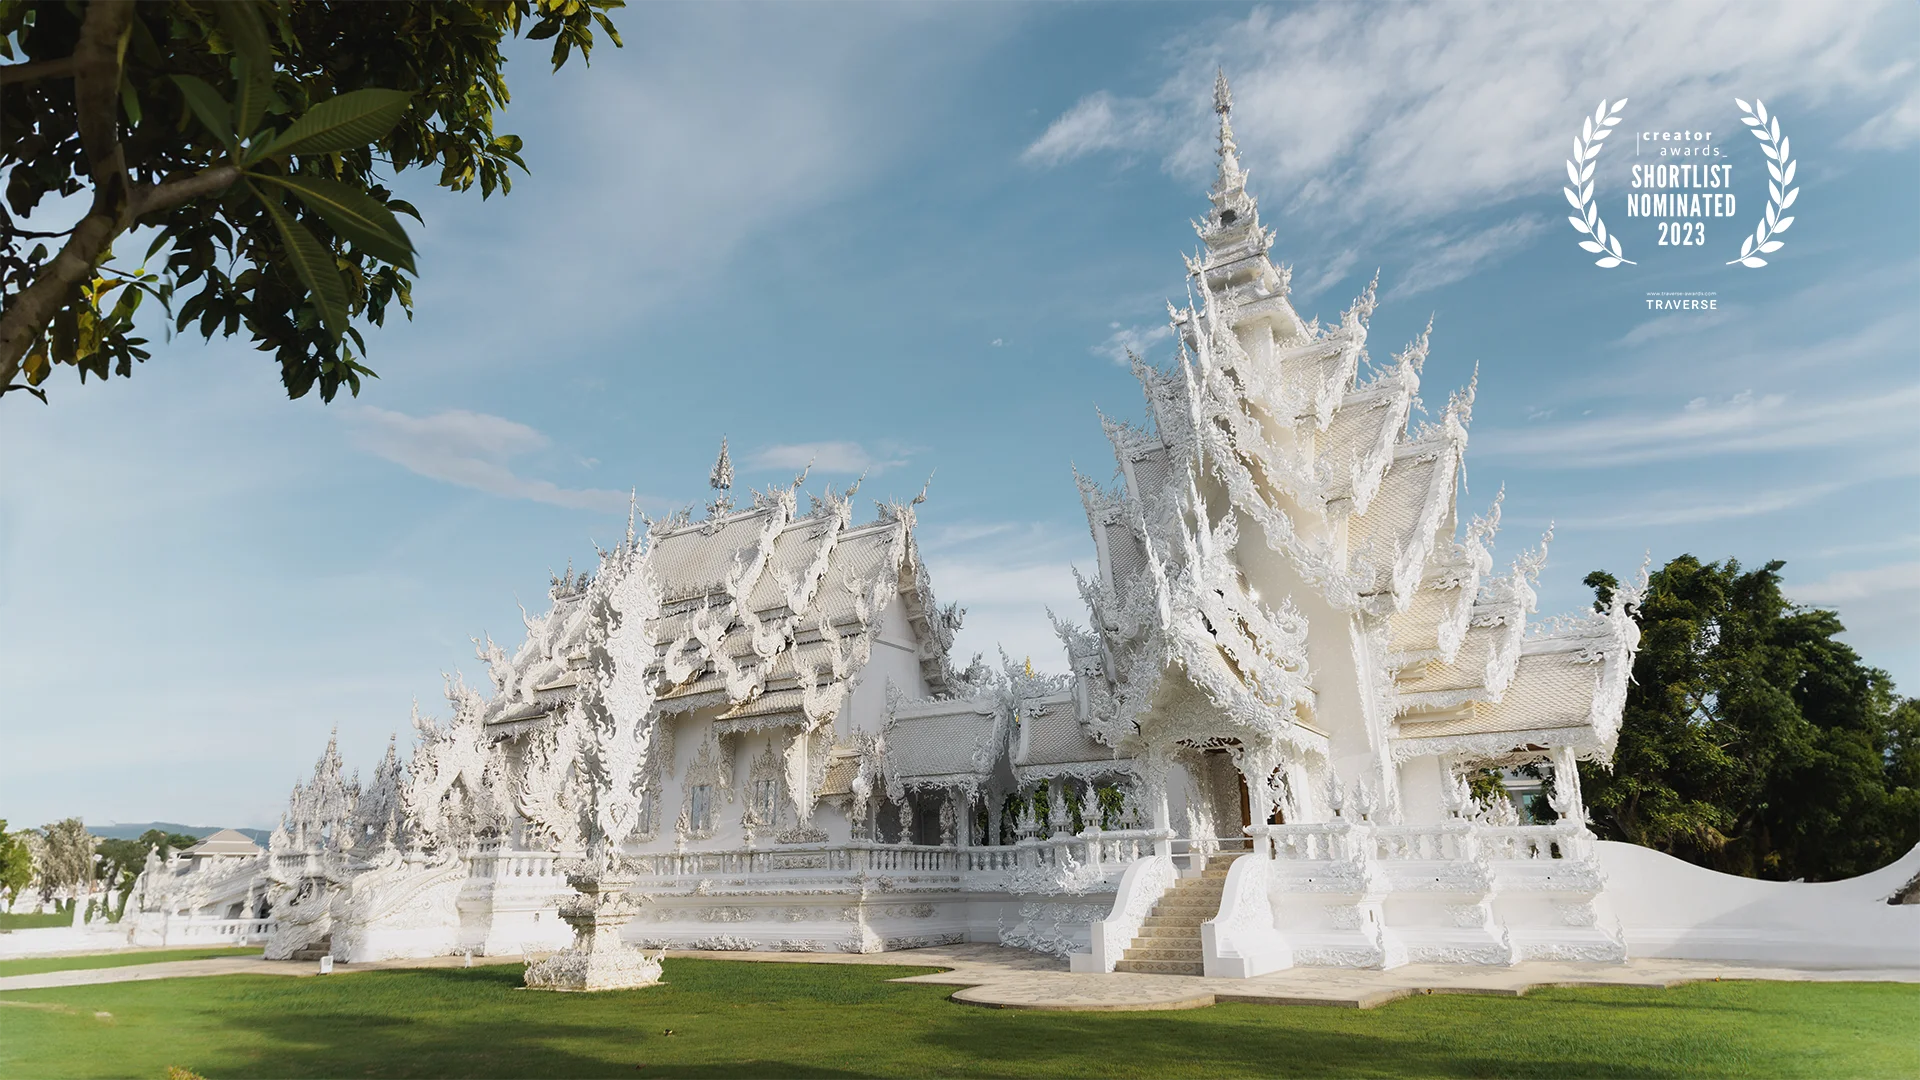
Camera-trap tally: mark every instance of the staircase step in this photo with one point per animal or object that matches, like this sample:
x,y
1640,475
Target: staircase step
x,y
1161,967
1170,933
1164,956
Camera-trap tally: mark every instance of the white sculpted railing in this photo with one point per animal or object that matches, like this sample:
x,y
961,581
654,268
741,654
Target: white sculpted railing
x,y
228,931
1142,883
1453,840
846,859
1091,860
1529,842
1319,842
531,867
1242,941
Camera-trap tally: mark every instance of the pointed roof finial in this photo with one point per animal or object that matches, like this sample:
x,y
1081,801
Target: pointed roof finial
x,y
1231,183
722,475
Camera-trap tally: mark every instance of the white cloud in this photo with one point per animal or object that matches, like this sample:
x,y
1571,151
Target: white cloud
x,y
1898,126
1443,260
472,450
1696,507
1743,423
1134,339
1877,606
1006,575
1853,585
829,457
1410,112
1098,122
712,128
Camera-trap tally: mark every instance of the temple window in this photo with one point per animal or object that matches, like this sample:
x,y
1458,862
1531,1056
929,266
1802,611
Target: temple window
x,y
701,809
766,800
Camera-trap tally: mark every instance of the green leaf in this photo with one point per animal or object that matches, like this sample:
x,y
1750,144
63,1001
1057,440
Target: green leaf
x,y
354,214
207,104
314,265
240,20
339,123
129,100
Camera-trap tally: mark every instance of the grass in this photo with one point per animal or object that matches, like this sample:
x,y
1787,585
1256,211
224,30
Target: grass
x,y
25,921
39,965
719,1018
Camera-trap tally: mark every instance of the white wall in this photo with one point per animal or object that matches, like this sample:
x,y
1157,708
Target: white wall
x,y
1673,908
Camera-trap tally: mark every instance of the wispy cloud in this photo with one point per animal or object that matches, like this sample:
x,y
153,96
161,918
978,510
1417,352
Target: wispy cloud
x,y
1696,507
1097,122
1444,259
1744,423
1413,112
1877,606
1006,575
830,457
1130,339
1853,585
472,450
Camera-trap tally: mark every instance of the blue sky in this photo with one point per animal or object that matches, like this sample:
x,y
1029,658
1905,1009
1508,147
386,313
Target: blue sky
x,y
914,239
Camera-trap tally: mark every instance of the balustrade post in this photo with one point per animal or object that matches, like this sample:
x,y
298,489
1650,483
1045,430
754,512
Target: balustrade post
x,y
1162,824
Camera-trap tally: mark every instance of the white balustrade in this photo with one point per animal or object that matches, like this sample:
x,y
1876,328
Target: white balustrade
x,y
227,931
1317,842
1531,842
1450,841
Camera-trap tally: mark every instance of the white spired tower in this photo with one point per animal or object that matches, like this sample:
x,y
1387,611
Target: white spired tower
x,y
1294,638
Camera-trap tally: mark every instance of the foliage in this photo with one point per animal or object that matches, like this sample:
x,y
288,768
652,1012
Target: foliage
x,y
69,860
123,859
1754,742
257,140
749,1019
16,864
1485,786
1113,805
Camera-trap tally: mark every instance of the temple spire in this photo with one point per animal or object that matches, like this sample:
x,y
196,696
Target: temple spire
x,y
1232,179
722,475
721,478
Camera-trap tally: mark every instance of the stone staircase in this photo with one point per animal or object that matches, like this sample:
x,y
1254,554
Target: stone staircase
x,y
1169,941
325,946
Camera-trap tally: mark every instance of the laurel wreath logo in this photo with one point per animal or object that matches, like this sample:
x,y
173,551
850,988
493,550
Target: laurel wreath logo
x,y
1586,154
1780,191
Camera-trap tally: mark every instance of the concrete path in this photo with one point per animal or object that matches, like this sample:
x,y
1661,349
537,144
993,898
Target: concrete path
x,y
1016,979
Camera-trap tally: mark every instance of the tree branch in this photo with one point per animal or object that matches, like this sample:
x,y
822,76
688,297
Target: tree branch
x,y
34,70
173,193
96,98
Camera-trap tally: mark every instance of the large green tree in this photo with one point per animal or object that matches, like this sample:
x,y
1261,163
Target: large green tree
x,y
256,139
1754,741
68,863
122,860
16,864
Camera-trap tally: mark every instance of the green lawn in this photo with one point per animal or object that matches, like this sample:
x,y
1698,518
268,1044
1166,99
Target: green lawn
x,y
716,1018
35,922
118,959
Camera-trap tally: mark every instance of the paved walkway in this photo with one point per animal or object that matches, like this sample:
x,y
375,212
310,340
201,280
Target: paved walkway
x,y
1015,979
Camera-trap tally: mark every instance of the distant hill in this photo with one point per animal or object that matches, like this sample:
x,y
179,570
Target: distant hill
x,y
132,830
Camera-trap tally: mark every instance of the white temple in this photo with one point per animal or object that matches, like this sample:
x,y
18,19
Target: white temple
x,y
747,732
